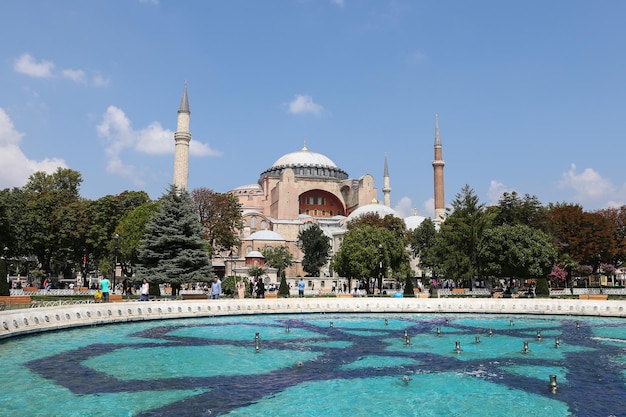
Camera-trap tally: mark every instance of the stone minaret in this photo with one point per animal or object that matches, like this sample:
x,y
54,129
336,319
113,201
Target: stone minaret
x,y
386,187
182,138
438,163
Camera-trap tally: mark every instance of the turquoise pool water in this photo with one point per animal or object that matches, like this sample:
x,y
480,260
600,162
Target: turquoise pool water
x,y
321,365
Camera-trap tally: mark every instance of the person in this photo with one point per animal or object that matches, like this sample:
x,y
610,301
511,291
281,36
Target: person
x,y
216,288
47,284
104,285
98,296
145,291
241,288
260,290
301,288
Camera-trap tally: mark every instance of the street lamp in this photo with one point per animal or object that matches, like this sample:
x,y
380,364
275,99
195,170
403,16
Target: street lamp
x,y
5,253
380,269
116,237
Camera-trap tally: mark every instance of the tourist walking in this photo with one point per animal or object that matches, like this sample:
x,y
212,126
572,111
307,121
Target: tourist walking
x,y
216,288
241,288
301,288
145,291
104,285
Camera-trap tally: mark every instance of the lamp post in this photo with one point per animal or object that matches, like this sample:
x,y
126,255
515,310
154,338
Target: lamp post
x,y
116,238
380,270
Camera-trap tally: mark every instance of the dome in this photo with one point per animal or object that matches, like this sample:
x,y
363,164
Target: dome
x,y
379,209
255,254
265,235
306,164
412,222
304,158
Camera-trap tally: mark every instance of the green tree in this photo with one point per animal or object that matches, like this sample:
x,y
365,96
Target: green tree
x,y
172,249
131,229
54,220
390,222
456,245
220,216
256,272
422,243
516,252
316,248
283,290
359,256
278,257
513,209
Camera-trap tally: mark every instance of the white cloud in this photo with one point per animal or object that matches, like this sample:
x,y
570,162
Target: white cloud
x,y
26,64
77,76
15,167
588,185
496,189
340,3
303,104
428,208
117,130
404,207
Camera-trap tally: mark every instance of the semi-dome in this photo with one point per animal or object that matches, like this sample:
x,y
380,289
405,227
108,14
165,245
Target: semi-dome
x,y
376,208
305,163
265,235
254,254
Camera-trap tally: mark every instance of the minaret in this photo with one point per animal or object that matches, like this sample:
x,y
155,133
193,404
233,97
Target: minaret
x,y
182,138
386,187
438,163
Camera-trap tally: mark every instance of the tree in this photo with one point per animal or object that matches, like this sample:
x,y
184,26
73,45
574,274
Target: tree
x,y
587,237
557,276
131,229
172,250
278,257
617,216
512,210
54,220
220,216
516,252
422,243
256,272
359,256
316,248
458,240
283,290
408,288
390,222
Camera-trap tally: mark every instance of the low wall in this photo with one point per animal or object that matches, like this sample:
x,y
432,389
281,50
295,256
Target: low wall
x,y
32,320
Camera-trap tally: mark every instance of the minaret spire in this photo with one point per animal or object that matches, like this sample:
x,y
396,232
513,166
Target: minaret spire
x,y
438,164
182,137
386,187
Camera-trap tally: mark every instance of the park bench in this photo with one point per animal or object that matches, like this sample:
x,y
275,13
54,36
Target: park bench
x,y
458,291
194,296
593,296
8,302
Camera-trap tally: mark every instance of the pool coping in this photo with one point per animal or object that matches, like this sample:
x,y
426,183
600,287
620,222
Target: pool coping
x,y
33,320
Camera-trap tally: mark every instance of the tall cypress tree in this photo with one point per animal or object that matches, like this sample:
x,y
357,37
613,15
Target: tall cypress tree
x,y
5,289
172,249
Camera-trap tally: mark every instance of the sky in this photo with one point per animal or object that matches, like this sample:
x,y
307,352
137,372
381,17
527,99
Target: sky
x,y
531,95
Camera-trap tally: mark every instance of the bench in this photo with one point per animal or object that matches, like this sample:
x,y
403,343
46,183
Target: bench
x,y
194,296
271,295
593,296
8,301
457,291
115,298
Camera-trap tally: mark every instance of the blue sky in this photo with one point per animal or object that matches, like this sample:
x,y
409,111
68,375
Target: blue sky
x,y
531,95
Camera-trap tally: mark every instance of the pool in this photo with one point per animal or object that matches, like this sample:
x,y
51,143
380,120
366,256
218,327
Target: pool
x,y
321,365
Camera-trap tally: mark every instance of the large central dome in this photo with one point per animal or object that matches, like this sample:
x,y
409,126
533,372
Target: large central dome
x,y
305,163
304,157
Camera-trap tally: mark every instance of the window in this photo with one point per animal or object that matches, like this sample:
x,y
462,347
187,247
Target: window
x,y
253,222
264,225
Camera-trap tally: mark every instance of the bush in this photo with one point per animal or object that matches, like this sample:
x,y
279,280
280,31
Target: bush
x,y
283,290
408,288
542,289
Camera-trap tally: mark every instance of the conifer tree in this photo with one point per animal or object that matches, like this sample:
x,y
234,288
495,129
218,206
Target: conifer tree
x,y
172,249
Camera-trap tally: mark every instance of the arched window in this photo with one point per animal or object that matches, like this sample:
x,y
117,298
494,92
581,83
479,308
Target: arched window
x,y
253,222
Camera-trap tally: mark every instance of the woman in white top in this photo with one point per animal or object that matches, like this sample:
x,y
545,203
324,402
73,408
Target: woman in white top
x,y
145,290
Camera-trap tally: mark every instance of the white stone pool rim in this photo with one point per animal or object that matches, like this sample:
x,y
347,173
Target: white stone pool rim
x,y
33,320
